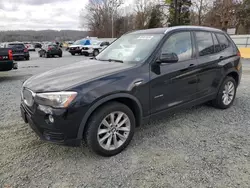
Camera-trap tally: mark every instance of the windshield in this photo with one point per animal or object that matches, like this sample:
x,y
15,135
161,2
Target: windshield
x,y
81,42
131,48
95,42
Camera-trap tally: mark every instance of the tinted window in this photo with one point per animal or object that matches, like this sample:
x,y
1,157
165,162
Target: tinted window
x,y
217,47
179,43
223,41
204,43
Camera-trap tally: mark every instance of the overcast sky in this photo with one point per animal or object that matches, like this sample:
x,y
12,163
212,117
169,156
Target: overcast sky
x,y
40,14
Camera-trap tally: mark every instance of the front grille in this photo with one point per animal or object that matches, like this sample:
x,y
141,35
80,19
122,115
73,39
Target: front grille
x,y
85,48
53,136
28,97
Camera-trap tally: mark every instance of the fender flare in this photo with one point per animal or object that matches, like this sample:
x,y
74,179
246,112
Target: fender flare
x,y
102,101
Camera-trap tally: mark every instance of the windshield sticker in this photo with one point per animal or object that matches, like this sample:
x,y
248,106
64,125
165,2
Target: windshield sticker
x,y
145,37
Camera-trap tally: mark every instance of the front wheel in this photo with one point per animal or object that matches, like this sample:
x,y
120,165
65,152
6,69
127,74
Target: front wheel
x,y
110,129
72,53
96,52
226,94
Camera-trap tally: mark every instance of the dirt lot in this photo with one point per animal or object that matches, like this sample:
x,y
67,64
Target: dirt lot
x,y
197,147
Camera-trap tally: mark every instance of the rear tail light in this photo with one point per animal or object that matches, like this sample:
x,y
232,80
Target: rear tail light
x,y
25,50
49,48
238,54
10,55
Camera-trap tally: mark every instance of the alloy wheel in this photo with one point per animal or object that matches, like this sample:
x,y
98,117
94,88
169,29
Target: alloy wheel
x,y
113,130
228,93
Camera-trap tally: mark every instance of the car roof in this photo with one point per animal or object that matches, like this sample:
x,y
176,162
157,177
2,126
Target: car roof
x,y
175,28
15,43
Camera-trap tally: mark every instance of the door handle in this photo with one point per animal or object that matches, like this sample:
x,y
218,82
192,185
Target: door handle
x,y
221,57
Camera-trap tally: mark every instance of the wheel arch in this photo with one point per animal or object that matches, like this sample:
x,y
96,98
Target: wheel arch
x,y
124,98
234,75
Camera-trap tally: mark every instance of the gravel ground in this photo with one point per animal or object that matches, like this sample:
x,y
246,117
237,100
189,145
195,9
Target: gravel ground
x,y
198,147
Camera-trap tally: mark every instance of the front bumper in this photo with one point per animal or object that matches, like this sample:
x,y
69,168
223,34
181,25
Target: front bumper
x,y
64,130
75,51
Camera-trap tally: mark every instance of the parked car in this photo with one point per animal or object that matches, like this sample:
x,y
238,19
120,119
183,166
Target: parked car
x,y
38,45
30,47
76,47
6,60
95,48
19,50
50,50
102,100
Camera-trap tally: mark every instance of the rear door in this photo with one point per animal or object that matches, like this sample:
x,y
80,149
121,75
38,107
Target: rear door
x,y
209,56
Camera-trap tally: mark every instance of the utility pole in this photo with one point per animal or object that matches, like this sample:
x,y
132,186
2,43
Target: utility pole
x,y
175,11
112,18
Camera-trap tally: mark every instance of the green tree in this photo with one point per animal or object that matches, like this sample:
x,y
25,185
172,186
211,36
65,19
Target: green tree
x,y
155,18
243,17
179,12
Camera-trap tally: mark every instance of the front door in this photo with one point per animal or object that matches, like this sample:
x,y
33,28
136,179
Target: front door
x,y
174,83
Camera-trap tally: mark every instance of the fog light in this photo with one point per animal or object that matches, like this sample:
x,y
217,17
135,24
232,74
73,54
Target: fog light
x,y
51,119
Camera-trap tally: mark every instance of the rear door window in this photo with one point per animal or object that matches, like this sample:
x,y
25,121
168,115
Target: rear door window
x,y
224,43
217,47
205,43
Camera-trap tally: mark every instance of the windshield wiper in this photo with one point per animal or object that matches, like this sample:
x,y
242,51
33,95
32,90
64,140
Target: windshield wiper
x,y
110,60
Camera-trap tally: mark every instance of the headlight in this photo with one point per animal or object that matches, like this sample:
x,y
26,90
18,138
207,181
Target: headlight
x,y
56,99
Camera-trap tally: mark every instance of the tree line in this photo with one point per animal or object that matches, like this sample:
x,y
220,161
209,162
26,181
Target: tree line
x,y
112,18
43,35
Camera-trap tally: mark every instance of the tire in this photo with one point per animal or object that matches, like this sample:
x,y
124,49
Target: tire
x,y
60,55
72,53
47,55
95,52
27,58
93,139
40,55
224,104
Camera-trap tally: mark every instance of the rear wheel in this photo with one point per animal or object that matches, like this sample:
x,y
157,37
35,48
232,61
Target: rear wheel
x,y
27,58
60,55
72,53
226,94
47,55
110,129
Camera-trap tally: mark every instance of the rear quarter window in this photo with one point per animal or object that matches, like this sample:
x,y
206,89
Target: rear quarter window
x,y
224,43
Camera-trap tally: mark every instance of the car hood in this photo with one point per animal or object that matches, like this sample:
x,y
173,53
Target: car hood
x,y
74,46
69,76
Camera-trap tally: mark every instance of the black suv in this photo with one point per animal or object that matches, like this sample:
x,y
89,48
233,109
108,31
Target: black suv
x,y
19,51
102,100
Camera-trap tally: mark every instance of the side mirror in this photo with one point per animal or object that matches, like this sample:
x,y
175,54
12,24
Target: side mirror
x,y
168,58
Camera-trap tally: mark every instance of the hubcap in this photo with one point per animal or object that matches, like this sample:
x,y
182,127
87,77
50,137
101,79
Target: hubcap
x,y
228,93
113,130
